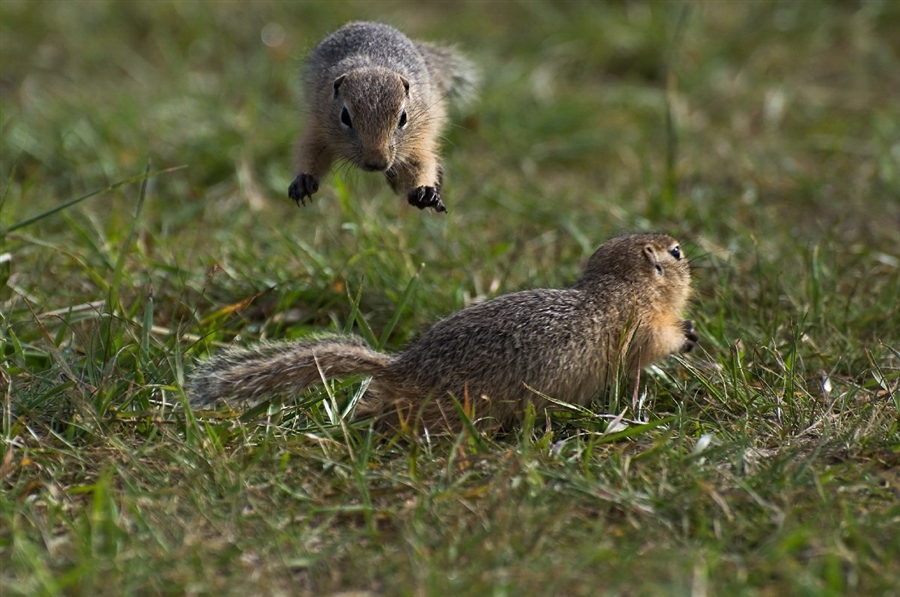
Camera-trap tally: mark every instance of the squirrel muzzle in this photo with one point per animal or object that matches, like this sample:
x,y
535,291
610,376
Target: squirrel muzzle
x,y
375,162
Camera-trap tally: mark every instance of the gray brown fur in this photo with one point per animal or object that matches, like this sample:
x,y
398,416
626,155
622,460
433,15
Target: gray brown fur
x,y
376,73
622,314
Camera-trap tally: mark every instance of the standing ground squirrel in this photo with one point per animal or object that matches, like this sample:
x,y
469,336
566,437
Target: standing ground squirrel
x,y
622,314
376,99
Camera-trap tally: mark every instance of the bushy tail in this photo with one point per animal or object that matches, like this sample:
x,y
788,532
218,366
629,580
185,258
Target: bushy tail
x,y
456,75
253,375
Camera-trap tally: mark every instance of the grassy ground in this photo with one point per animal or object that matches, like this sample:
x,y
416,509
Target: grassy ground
x,y
765,135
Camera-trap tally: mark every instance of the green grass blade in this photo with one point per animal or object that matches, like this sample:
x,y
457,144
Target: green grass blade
x,y
38,217
404,300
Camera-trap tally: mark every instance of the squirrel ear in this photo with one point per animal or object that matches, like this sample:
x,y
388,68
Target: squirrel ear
x,y
337,84
405,82
650,253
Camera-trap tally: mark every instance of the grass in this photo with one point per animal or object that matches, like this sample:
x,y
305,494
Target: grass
x,y
764,135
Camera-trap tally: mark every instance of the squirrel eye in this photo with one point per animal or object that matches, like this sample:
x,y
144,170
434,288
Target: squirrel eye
x,y
402,122
659,269
676,252
345,117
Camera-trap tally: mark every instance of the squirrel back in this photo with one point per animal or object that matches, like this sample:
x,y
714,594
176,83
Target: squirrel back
x,y
376,98
440,70
569,344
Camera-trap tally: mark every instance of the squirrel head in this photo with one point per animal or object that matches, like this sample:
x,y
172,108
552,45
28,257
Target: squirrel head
x,y
371,113
654,265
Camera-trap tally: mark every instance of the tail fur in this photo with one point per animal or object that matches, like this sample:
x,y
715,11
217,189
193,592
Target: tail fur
x,y
456,75
253,375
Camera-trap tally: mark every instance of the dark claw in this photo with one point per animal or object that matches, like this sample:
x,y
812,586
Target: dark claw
x,y
423,197
303,186
690,334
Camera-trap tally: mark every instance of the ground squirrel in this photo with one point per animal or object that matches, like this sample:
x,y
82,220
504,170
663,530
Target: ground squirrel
x,y
376,99
622,314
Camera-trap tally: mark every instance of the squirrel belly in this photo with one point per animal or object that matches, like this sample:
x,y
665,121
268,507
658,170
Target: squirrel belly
x,y
623,313
377,99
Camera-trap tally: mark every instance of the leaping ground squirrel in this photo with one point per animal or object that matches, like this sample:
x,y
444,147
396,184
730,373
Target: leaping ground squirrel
x,y
622,314
376,99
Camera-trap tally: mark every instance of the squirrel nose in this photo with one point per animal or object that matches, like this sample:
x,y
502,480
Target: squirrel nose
x,y
375,165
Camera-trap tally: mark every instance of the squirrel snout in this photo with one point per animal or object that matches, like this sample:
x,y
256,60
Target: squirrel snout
x,y
375,164
375,157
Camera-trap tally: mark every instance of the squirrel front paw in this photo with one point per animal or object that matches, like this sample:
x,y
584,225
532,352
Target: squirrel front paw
x,y
303,186
690,335
423,197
